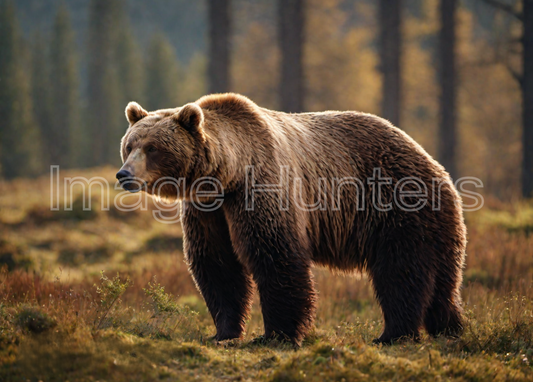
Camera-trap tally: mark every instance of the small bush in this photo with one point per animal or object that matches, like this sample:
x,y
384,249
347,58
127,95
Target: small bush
x,y
76,257
168,317
14,256
163,243
34,320
109,291
163,303
40,214
120,214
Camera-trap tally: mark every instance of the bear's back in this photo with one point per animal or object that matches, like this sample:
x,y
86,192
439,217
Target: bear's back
x,y
352,144
340,157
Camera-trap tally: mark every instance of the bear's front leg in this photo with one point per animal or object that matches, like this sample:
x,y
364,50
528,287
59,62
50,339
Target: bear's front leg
x,y
268,241
223,281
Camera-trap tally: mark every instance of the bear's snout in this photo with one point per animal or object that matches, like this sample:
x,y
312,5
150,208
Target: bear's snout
x,y
123,174
128,181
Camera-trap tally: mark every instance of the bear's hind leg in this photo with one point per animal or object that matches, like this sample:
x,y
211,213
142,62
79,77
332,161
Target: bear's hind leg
x,y
444,314
223,281
403,288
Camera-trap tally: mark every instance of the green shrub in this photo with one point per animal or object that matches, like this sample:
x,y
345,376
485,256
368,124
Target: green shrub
x,y
14,256
168,317
76,257
163,243
34,320
109,291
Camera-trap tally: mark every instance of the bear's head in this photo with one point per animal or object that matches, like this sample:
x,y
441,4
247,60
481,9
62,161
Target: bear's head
x,y
163,148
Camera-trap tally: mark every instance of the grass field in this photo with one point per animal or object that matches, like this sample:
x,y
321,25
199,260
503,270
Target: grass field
x,y
62,319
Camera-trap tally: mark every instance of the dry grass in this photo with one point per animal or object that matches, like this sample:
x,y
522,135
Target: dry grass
x,y
59,320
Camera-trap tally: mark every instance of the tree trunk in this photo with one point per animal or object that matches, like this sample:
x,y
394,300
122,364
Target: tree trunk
x,y
447,137
290,34
103,87
219,45
527,101
390,51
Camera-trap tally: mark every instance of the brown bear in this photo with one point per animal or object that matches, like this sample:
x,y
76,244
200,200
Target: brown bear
x,y
346,190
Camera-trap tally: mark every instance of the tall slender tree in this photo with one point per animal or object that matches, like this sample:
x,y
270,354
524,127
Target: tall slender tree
x,y
42,103
525,80
527,103
291,35
163,75
218,71
390,52
130,66
194,80
104,109
65,138
19,138
447,140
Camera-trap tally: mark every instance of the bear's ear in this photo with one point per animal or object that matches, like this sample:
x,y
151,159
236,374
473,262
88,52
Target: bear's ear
x,y
134,112
191,118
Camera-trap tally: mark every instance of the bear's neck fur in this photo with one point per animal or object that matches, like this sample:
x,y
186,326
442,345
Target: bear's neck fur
x,y
233,125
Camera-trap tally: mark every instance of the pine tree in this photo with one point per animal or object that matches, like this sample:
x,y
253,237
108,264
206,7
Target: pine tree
x,y
65,137
291,38
218,70
19,138
41,100
390,50
130,67
105,112
163,75
448,83
526,85
525,81
194,83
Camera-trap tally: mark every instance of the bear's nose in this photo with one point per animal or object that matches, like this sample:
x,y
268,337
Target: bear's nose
x,y
124,174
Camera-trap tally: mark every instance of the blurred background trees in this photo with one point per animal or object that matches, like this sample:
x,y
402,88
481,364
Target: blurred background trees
x,y
103,85
454,74
219,24
63,136
448,87
526,85
390,51
290,37
20,151
163,75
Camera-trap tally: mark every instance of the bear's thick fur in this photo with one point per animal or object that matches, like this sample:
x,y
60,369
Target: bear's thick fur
x,y
304,189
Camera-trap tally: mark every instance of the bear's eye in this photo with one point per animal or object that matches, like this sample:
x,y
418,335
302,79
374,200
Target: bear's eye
x,y
128,149
151,149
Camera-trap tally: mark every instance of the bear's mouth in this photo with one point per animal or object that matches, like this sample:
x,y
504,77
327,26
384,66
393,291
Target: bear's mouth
x,y
133,185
